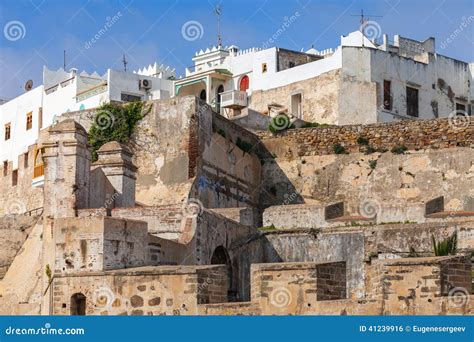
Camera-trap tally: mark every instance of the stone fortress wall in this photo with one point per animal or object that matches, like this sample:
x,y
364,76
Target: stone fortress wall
x,y
204,187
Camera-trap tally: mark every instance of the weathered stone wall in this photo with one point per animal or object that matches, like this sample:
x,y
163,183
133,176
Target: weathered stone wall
x,y
22,197
301,246
319,98
331,281
285,57
14,230
412,286
401,287
163,290
98,244
414,134
393,187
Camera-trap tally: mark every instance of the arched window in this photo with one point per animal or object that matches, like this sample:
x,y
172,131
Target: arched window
x,y
78,304
38,168
202,95
244,83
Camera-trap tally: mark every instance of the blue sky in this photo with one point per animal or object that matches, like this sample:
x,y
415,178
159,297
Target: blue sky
x,y
148,31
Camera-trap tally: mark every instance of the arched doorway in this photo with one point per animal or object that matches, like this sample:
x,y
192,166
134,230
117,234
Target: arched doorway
x,y
220,89
203,95
78,304
244,83
221,257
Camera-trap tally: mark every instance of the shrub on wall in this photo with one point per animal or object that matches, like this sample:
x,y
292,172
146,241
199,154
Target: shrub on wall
x,y
114,122
445,247
399,149
338,149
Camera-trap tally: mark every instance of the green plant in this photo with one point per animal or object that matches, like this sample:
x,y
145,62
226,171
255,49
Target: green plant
x,y
370,149
362,141
244,145
114,122
446,247
399,149
221,132
314,125
48,272
373,164
267,228
338,149
280,123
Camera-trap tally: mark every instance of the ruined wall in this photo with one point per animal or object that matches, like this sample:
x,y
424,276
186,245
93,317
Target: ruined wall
x,y
394,186
319,97
14,230
413,286
98,244
302,246
404,287
163,290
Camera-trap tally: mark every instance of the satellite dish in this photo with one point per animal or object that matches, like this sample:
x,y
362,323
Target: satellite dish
x,y
29,85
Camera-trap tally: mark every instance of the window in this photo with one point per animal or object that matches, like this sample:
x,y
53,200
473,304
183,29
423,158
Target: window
x,y
244,83
264,67
412,101
5,168
387,96
29,121
460,109
8,129
25,160
14,177
38,169
130,98
203,95
296,105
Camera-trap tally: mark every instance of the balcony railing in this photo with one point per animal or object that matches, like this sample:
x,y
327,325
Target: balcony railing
x,y
233,99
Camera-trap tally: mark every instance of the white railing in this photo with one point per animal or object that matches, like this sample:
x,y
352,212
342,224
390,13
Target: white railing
x,y
233,99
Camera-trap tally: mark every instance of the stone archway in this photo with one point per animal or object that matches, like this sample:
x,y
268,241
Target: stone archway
x,y
78,304
220,256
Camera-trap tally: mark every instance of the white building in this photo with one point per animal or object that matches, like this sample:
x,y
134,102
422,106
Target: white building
x,y
360,82
23,117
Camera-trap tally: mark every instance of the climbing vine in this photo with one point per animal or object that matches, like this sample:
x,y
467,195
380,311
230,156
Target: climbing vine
x,y
114,122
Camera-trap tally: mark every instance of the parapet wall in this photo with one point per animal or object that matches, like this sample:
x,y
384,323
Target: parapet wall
x,y
414,134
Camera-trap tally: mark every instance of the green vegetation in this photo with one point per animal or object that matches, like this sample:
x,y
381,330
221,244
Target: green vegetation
x,y
373,164
244,145
447,246
48,272
399,149
338,149
280,123
314,125
114,122
221,132
267,228
363,141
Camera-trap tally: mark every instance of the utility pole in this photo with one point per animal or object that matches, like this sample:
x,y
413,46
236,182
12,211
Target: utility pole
x,y
64,60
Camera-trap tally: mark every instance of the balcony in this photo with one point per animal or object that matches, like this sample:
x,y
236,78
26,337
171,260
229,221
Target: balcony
x,y
233,99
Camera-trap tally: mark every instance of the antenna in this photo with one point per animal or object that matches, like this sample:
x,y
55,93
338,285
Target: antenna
x,y
124,61
64,60
218,11
364,21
